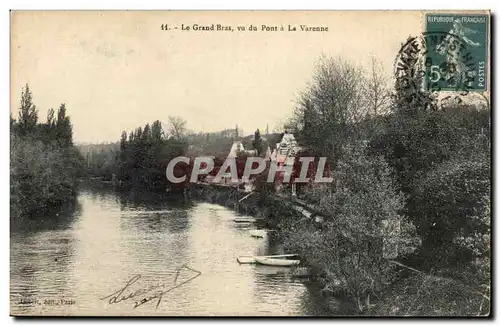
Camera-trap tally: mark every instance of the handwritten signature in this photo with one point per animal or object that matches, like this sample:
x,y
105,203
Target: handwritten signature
x,y
148,293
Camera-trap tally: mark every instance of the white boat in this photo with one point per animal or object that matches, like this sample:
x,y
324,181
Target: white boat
x,y
258,233
246,260
276,260
282,258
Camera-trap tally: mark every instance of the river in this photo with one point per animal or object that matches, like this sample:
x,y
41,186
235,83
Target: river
x,y
76,262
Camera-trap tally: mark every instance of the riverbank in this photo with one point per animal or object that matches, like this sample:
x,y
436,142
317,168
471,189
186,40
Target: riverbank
x,y
410,292
419,294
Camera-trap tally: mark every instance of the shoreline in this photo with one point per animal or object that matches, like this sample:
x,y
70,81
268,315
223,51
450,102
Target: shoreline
x,y
398,298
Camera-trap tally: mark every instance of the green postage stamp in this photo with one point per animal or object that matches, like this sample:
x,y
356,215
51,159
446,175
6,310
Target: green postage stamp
x,y
457,52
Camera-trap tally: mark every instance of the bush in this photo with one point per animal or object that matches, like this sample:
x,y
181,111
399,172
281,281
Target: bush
x,y
451,206
348,249
416,144
434,155
428,295
42,176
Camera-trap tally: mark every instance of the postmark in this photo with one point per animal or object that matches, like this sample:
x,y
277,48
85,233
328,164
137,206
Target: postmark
x,y
415,68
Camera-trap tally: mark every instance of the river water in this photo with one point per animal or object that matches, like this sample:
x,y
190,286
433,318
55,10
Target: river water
x,y
76,262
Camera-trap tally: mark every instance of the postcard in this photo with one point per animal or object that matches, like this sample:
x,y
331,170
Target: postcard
x,y
250,163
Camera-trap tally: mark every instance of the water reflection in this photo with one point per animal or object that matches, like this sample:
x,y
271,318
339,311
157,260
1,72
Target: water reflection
x,y
58,219
42,250
111,237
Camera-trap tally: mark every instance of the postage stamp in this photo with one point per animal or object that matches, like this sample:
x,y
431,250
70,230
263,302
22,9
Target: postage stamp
x,y
457,51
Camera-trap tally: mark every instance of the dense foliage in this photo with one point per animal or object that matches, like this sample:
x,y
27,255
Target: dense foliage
x,y
451,206
100,160
411,181
350,247
441,161
144,156
44,164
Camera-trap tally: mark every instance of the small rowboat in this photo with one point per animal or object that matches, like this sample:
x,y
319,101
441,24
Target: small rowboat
x,y
245,219
282,258
275,261
258,233
246,260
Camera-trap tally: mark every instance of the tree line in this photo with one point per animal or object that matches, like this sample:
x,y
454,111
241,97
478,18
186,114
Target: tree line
x,y
44,164
141,156
144,155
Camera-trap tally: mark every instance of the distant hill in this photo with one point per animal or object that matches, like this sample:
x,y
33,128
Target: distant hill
x,y
98,148
202,143
219,143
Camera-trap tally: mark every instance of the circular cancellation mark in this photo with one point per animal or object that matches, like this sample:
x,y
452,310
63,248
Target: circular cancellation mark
x,y
438,61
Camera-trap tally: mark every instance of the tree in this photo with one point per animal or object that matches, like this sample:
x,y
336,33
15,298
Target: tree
x,y
257,142
44,164
177,127
12,123
123,141
144,156
376,90
51,122
146,134
28,114
48,130
330,107
156,132
361,214
63,127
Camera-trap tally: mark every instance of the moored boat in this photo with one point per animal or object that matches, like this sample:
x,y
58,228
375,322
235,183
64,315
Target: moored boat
x,y
276,261
246,260
258,233
245,219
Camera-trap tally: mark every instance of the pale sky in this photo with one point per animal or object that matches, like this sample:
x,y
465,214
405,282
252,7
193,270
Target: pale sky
x,y
118,70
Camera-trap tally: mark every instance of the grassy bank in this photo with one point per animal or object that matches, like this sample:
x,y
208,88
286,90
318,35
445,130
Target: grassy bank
x,y
420,294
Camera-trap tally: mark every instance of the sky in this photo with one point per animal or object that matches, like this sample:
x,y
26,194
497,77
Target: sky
x,y
117,70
